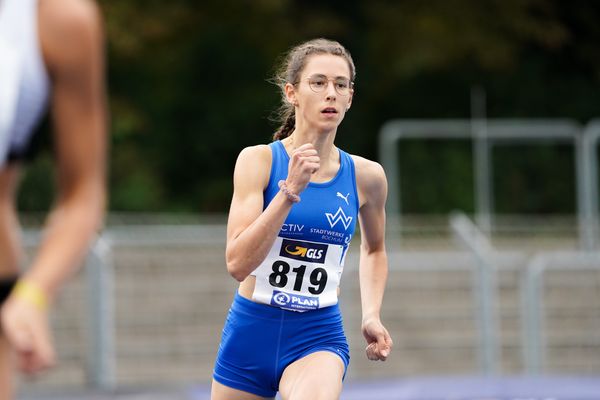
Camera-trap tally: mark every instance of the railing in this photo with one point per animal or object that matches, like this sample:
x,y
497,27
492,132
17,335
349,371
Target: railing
x,y
534,335
485,134
485,289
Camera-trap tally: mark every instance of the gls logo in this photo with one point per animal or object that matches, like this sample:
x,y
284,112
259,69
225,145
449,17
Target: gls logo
x,y
304,251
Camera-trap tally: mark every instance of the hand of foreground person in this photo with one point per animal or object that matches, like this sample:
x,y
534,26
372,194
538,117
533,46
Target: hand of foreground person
x,y
24,319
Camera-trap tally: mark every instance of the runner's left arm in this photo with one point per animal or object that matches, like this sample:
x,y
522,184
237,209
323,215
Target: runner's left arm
x,y
373,267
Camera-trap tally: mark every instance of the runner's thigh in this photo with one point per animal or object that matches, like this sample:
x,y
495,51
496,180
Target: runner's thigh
x,y
222,392
317,376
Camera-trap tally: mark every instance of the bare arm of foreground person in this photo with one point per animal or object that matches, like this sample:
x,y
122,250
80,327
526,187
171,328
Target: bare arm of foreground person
x,y
73,47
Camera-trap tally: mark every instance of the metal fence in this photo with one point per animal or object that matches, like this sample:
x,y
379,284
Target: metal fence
x,y
485,134
148,308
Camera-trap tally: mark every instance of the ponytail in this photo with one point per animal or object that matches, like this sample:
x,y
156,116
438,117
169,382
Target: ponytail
x,y
288,125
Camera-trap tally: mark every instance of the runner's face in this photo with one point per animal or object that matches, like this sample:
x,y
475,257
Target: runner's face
x,y
324,91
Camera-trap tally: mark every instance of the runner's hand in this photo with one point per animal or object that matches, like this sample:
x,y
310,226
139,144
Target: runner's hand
x,y
304,161
379,342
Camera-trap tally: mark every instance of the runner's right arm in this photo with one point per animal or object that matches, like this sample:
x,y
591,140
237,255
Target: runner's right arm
x,y
250,230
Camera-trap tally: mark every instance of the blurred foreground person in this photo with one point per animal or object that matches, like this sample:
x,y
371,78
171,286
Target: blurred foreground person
x,y
51,60
293,213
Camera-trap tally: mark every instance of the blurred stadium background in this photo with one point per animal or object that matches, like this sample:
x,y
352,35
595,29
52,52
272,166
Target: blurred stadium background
x,y
482,107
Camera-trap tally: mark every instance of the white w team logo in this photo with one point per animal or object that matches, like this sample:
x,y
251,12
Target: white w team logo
x,y
339,216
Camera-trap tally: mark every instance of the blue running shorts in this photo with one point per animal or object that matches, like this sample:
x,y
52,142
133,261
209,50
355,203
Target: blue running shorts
x,y
259,341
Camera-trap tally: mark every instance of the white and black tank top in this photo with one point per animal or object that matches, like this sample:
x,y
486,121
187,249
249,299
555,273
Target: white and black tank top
x,y
24,79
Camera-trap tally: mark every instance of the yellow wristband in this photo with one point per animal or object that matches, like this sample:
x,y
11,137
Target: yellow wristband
x,y
31,293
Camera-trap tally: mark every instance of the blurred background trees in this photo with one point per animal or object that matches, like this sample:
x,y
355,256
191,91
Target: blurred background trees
x,y
188,86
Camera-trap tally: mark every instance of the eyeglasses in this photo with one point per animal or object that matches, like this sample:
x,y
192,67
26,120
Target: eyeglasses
x,y
318,84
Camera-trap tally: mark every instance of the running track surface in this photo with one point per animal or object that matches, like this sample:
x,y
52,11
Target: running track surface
x,y
424,388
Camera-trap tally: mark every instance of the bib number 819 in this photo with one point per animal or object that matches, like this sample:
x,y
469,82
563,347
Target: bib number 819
x,y
279,277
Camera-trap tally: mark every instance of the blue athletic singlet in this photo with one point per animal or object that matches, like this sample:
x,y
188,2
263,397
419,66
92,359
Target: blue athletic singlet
x,y
303,268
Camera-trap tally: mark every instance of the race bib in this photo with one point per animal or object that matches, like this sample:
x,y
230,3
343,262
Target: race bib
x,y
10,75
299,275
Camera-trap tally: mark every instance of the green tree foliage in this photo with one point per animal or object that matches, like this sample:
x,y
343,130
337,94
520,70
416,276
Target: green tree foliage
x,y
189,89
